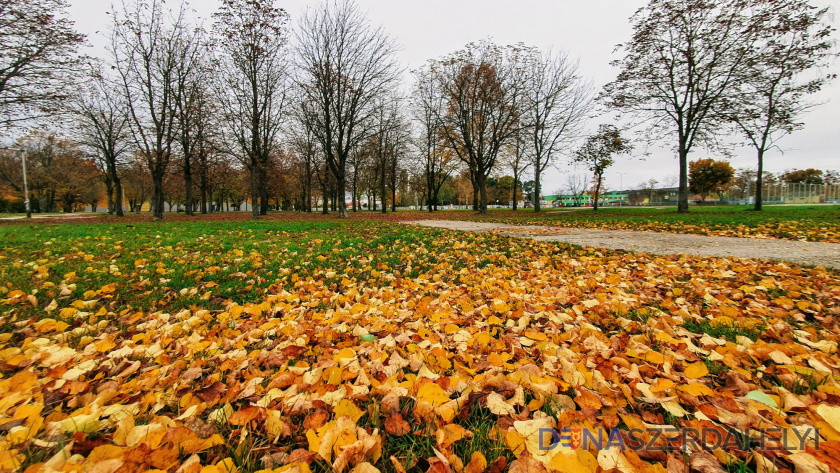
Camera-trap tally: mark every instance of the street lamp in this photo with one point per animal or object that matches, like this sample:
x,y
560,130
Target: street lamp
x,y
620,184
25,183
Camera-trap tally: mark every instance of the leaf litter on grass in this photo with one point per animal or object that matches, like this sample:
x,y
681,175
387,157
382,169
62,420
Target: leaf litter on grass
x,y
440,352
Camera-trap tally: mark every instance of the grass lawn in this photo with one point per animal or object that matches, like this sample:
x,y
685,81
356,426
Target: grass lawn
x,y
317,345
811,223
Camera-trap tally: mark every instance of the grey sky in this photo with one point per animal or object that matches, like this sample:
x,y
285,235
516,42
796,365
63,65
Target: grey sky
x,y
588,30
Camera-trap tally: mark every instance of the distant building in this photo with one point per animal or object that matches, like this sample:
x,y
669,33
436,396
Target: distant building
x,y
585,200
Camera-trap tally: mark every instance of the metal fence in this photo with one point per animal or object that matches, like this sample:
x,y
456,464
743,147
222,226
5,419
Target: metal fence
x,y
782,193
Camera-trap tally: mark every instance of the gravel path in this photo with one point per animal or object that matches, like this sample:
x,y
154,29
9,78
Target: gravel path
x,y
811,253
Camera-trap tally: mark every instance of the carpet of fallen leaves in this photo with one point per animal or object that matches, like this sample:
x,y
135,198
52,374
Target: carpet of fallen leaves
x,y
379,347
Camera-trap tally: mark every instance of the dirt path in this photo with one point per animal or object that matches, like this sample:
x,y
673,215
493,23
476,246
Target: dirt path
x,y
817,254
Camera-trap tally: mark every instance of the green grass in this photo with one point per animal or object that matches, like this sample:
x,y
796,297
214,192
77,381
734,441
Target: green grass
x,y
189,265
728,332
815,223
723,215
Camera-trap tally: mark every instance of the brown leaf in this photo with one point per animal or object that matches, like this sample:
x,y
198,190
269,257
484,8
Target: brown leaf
x,y
705,462
211,394
675,465
498,465
301,455
191,374
398,466
244,416
526,464
397,426
316,419
163,458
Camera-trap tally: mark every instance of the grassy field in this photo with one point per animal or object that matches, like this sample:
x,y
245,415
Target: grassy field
x,y
320,345
811,223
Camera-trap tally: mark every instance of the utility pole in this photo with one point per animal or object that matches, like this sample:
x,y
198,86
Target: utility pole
x,y
25,182
620,185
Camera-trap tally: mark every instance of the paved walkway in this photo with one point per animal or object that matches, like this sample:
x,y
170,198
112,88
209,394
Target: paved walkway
x,y
73,216
811,253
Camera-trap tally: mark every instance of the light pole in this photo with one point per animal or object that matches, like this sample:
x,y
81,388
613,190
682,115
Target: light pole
x,y
620,185
25,183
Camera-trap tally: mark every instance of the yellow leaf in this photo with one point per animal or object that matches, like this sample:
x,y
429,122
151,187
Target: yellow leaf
x,y
662,385
696,389
345,407
696,370
433,394
515,442
451,433
477,463
830,414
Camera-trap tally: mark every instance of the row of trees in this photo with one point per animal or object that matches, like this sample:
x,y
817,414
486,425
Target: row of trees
x,y
697,70
316,111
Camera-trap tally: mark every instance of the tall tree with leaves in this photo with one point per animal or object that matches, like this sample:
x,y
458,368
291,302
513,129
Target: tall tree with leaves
x,y
708,175
344,64
483,87
684,58
253,72
38,55
597,154
793,39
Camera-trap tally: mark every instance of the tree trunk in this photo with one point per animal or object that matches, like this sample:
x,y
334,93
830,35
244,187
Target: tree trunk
x,y
355,194
263,188
255,211
342,202
188,208
203,190
382,183
597,192
109,194
759,180
682,205
324,209
513,199
118,198
482,188
157,197
537,188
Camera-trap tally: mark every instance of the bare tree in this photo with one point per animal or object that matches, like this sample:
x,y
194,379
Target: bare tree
x,y
577,185
103,128
555,106
386,134
195,111
793,39
153,49
252,85
305,147
684,57
482,86
396,149
516,159
344,65
648,187
438,161
38,55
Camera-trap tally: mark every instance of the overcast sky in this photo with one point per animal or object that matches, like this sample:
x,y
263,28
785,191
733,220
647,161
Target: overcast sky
x,y
588,30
